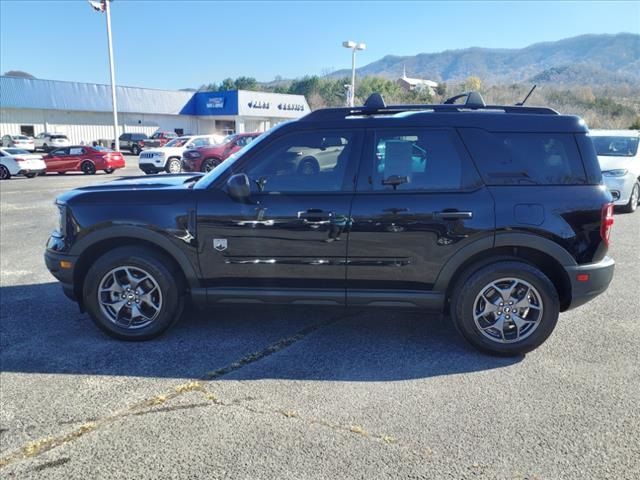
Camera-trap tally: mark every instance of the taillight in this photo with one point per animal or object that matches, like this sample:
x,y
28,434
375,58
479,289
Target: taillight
x,y
606,222
141,143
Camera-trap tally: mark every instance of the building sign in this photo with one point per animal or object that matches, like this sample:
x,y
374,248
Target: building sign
x,y
296,107
259,104
215,102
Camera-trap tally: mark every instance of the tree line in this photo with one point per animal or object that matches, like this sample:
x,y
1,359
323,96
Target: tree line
x,y
600,106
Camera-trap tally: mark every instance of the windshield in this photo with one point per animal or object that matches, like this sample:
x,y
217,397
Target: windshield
x,y
178,142
615,146
63,137
210,177
228,138
15,151
20,137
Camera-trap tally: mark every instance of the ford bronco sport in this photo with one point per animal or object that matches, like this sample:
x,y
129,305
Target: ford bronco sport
x,y
494,214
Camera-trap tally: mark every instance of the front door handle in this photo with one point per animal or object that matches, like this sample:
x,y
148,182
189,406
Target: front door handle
x,y
452,215
315,216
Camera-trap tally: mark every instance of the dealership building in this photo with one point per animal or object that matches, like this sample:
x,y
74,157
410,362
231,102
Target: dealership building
x,y
83,111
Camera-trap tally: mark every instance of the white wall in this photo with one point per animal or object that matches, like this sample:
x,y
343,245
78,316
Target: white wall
x,y
89,126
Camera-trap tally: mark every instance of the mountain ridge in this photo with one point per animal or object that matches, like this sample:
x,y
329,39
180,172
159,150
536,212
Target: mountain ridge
x,y
614,57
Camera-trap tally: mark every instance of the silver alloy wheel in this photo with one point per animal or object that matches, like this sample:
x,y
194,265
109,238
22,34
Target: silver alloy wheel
x,y
175,166
508,310
129,297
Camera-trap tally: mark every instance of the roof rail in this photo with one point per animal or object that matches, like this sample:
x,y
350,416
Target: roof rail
x,y
375,105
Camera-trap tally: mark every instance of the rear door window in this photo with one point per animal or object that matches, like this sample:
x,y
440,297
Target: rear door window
x,y
517,158
419,159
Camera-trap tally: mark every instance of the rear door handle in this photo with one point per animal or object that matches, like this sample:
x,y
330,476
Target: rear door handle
x,y
452,215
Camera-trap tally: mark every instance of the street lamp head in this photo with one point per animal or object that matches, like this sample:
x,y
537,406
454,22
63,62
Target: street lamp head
x,y
361,46
349,44
98,6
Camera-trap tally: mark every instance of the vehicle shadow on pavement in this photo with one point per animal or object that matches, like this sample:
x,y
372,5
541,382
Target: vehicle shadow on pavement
x,y
43,332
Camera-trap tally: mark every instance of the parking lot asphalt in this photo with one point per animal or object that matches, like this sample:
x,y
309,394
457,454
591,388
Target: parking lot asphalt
x,y
297,393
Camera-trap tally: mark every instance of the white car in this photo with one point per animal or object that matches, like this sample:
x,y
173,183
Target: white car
x,y
619,159
169,157
15,161
48,141
18,141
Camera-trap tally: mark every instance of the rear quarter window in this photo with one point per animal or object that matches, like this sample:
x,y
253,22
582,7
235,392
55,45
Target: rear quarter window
x,y
523,158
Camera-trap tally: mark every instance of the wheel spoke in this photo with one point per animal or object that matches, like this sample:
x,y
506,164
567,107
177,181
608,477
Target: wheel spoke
x,y
505,293
497,325
489,308
133,281
520,322
116,305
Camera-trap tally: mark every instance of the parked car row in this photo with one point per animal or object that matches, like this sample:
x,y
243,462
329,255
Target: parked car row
x,y
192,153
77,158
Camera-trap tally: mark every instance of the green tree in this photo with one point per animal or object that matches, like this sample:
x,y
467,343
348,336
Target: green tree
x,y
246,83
227,84
635,125
472,83
441,89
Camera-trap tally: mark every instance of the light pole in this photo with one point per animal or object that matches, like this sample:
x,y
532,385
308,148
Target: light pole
x,y
353,46
103,6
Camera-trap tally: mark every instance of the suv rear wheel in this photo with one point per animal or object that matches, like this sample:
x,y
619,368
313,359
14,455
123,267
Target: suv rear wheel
x,y
135,149
132,293
505,308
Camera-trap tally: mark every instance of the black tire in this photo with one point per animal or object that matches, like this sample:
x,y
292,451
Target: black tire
x,y
5,174
632,205
45,148
109,171
164,273
135,150
308,166
472,283
88,168
30,175
175,164
209,164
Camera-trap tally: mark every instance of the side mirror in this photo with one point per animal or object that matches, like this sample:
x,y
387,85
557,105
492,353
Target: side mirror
x,y
239,187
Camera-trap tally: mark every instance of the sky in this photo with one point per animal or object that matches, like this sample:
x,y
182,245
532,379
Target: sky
x,y
172,44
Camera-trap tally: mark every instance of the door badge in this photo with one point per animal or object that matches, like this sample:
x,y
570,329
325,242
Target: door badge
x,y
220,244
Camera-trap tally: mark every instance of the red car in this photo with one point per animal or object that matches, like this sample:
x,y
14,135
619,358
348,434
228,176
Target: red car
x,y
82,158
204,159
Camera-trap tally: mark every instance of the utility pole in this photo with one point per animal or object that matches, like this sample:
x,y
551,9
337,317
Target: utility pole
x,y
104,6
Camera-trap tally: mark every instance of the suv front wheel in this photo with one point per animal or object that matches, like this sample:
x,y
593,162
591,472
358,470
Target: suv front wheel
x,y
505,308
132,293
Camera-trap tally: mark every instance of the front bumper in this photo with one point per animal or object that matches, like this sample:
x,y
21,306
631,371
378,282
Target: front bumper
x,y
598,277
620,188
53,259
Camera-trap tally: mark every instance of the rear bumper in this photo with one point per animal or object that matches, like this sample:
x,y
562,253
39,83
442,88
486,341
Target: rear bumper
x,y
599,277
63,275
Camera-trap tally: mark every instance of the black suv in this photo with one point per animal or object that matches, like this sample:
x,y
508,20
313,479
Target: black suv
x,y
134,142
495,214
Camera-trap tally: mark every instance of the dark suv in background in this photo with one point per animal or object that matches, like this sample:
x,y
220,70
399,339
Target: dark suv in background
x,y
133,142
495,214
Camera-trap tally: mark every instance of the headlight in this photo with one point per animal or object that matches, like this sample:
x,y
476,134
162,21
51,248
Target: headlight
x,y
620,172
62,218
